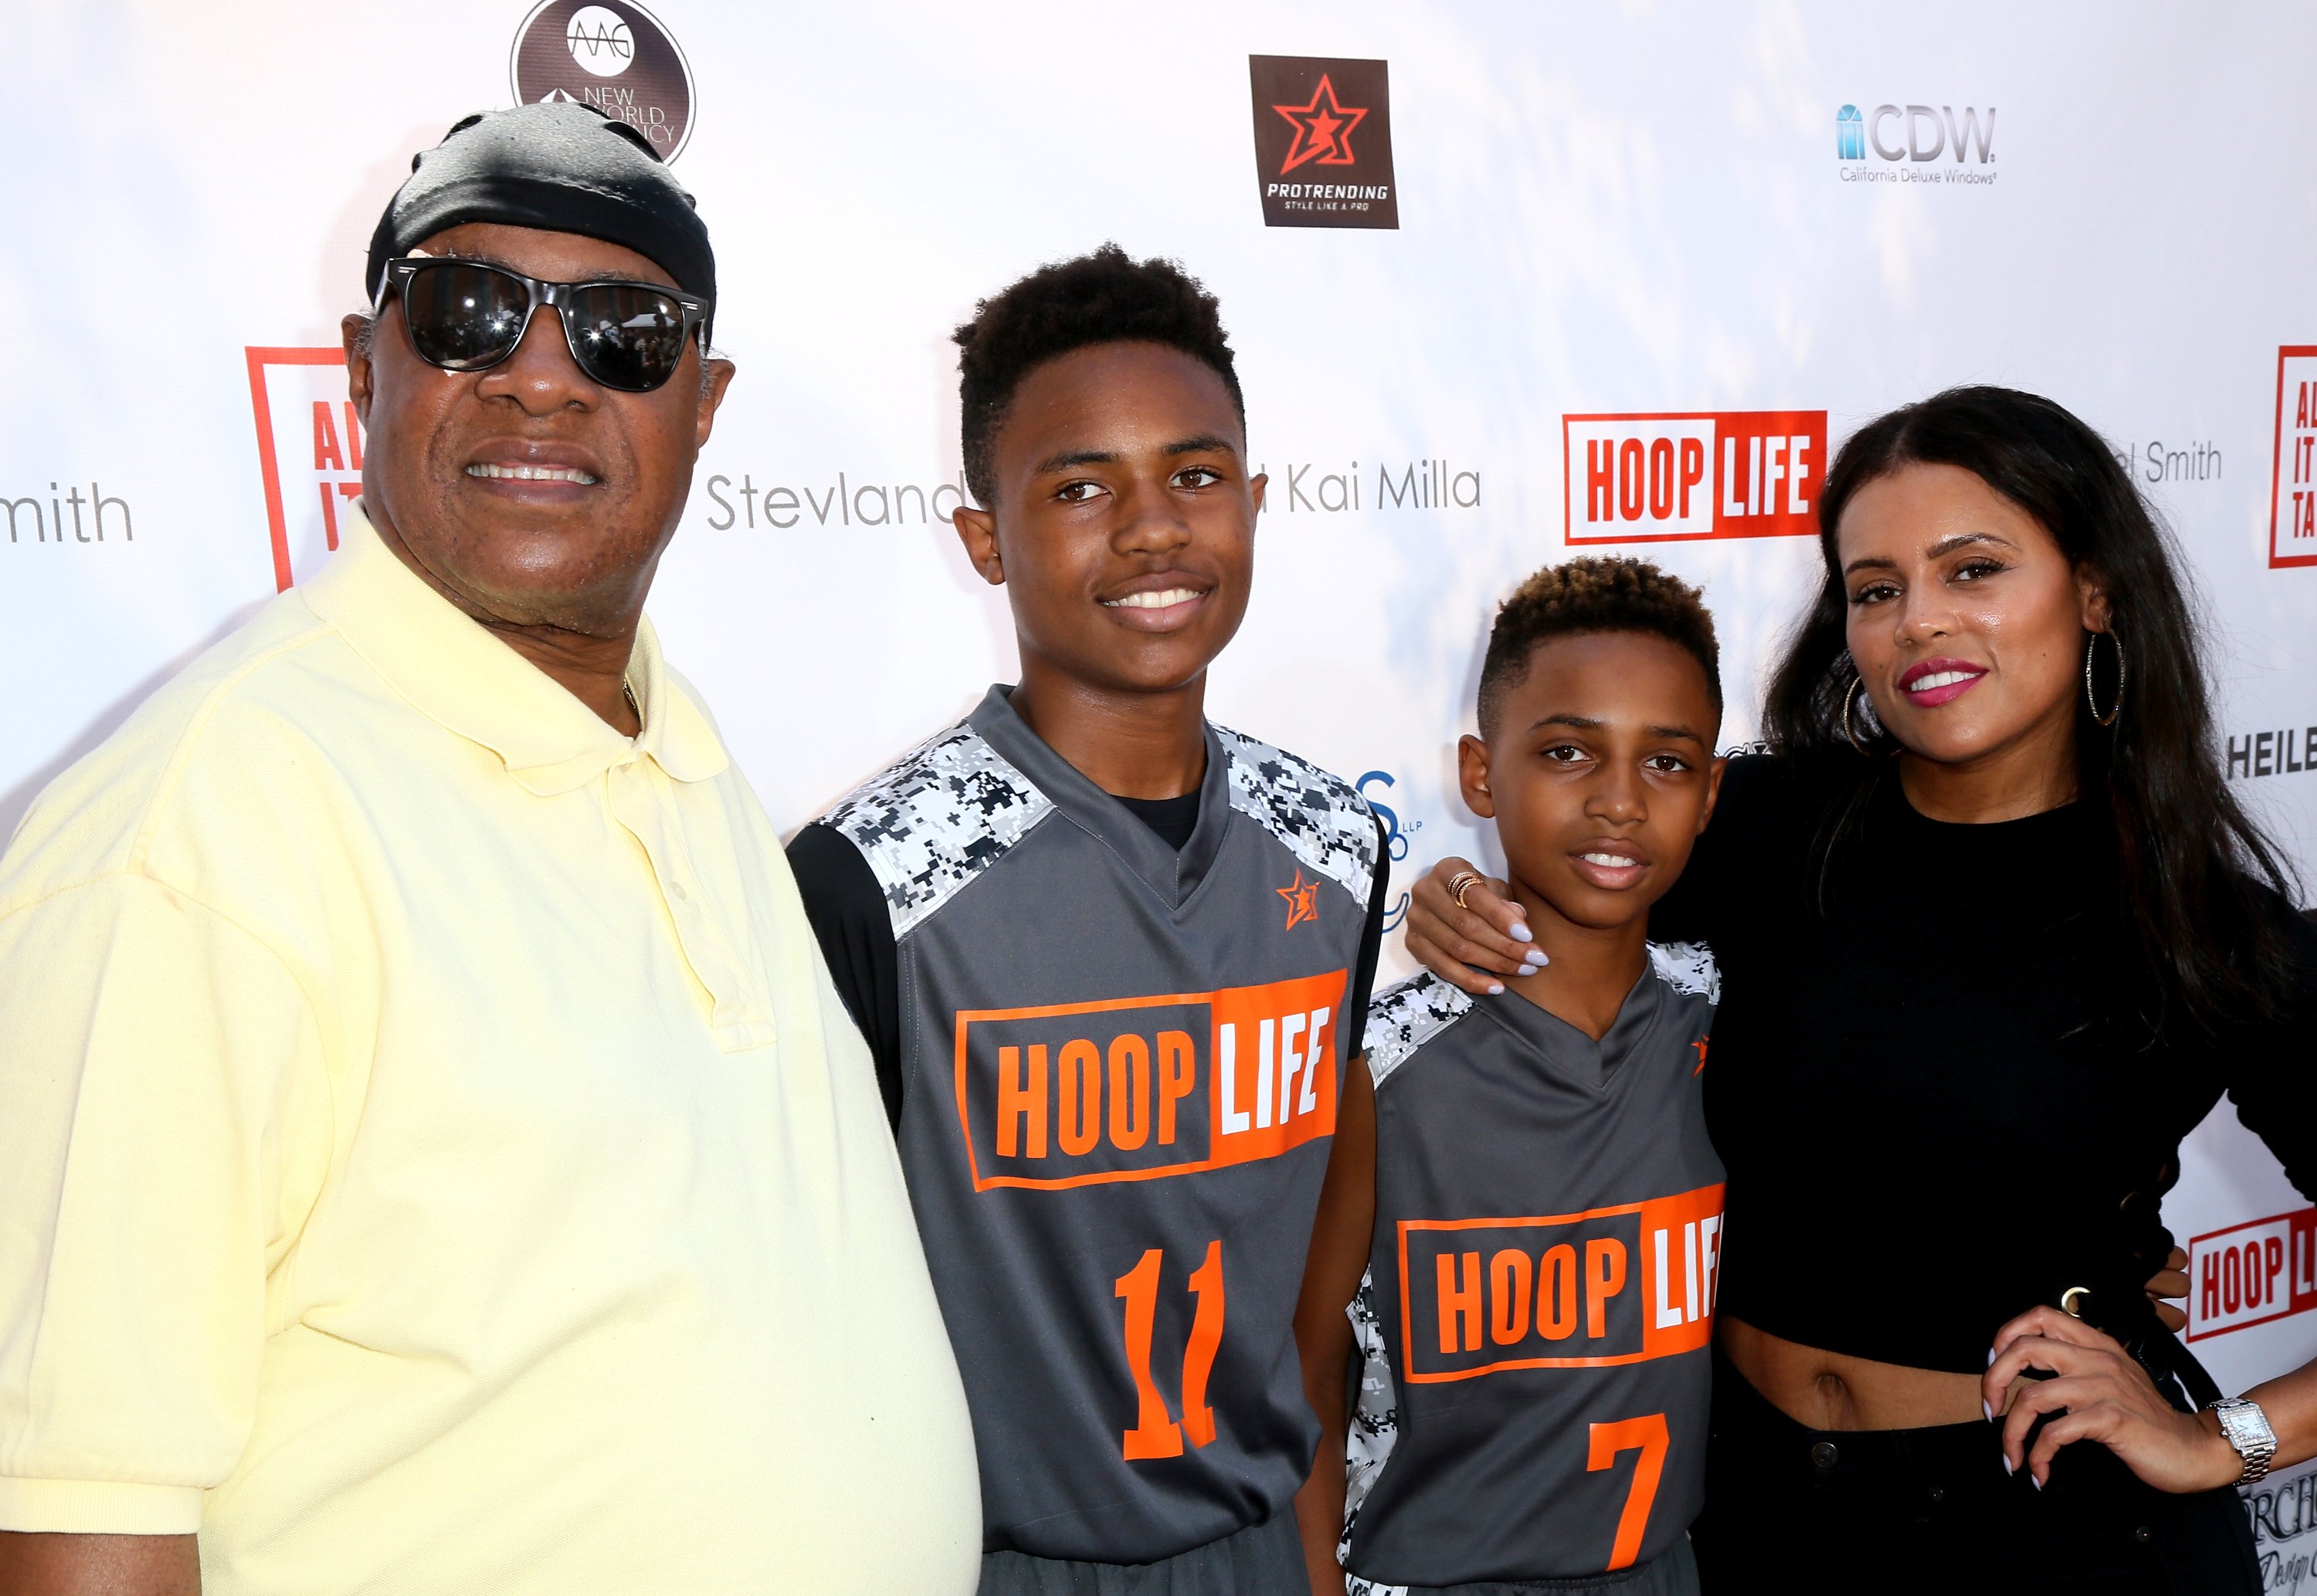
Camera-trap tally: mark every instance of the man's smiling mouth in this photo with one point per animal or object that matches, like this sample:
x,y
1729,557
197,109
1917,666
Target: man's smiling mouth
x,y
531,473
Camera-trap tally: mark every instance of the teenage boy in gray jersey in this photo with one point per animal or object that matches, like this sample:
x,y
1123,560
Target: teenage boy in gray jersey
x,y
1112,960
1534,1258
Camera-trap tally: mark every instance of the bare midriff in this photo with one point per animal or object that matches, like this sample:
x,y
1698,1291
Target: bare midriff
x,y
1834,1391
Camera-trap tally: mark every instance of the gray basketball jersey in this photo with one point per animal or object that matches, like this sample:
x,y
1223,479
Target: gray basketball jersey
x,y
1122,1066
1540,1293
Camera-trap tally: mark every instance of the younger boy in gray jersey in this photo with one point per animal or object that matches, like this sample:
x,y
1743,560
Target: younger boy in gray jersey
x,y
1536,1273
1112,961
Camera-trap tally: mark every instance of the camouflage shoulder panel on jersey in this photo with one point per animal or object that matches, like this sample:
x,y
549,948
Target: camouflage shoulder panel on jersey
x,y
1318,817
1407,1015
1374,1427
1687,968
933,822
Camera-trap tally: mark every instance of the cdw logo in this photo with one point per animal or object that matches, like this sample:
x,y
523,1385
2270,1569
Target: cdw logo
x,y
1704,474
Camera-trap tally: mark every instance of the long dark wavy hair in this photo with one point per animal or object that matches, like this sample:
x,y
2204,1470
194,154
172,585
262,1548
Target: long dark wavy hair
x,y
2191,863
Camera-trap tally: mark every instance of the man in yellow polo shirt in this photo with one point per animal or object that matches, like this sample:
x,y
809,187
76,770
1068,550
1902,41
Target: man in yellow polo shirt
x,y
433,1155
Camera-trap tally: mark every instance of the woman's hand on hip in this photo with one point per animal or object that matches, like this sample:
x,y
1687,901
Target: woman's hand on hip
x,y
1471,946
2098,1393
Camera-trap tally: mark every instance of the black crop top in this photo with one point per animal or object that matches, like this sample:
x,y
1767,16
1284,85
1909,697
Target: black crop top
x,y
1937,1100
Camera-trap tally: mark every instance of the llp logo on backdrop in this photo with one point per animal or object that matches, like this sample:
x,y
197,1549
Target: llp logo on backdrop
x,y
1395,840
1323,142
1910,139
616,56
310,451
2293,488
1695,474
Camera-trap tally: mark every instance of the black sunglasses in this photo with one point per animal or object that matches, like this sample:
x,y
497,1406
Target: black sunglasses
x,y
467,316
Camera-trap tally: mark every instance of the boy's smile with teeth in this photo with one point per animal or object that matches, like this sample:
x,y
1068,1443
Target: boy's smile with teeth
x,y
1156,598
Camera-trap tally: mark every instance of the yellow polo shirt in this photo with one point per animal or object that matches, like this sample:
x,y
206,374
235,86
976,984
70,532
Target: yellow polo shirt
x,y
433,1155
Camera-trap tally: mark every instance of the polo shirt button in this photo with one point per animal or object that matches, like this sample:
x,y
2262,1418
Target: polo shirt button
x,y
675,890
1824,1454
2143,1536
1938,1493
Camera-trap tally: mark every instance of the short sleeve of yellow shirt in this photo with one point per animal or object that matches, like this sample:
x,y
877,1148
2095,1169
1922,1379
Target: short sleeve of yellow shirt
x,y
432,1153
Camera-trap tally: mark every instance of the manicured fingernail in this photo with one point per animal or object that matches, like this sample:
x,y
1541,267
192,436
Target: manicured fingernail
x,y
1533,958
1990,1357
1498,990
2006,1463
2034,1481
1520,931
1988,1408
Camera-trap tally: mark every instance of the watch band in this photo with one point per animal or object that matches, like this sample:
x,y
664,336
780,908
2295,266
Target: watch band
x,y
2247,1429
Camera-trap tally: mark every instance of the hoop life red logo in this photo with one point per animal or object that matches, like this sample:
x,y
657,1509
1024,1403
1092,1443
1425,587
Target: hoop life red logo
x,y
1323,142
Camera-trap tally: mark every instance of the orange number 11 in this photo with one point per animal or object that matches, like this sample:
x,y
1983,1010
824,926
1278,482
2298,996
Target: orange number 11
x,y
1605,1441
1155,1433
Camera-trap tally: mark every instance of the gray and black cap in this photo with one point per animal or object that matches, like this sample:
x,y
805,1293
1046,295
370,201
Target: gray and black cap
x,y
564,168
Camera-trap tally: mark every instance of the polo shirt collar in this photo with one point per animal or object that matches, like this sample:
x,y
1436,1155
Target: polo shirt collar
x,y
457,673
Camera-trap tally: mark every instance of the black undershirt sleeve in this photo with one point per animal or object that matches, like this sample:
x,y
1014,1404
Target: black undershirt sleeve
x,y
855,931
1363,986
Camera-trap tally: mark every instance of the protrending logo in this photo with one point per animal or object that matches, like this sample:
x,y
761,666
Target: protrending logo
x,y
1323,142
2293,490
1910,140
616,56
1695,474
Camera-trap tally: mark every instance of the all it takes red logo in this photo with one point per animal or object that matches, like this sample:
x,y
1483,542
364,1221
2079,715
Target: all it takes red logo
x,y
2293,490
1323,142
309,453
1692,474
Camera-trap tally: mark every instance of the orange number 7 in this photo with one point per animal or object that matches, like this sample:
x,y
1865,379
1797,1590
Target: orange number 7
x,y
1647,1432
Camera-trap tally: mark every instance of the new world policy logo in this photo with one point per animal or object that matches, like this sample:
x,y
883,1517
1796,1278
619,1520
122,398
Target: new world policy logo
x,y
614,56
1323,142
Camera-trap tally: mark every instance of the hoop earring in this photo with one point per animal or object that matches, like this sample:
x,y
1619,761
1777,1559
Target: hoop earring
x,y
2090,645
1849,701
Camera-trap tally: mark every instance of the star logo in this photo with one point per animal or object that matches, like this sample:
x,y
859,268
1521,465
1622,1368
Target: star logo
x,y
1302,900
1323,129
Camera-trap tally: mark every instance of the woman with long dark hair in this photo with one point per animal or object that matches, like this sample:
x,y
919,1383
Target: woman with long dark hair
x,y
1995,935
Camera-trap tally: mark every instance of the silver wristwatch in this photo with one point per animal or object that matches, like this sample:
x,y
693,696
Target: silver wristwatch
x,y
2246,1428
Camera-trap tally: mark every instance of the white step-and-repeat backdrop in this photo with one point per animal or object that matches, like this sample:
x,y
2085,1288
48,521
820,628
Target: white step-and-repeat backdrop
x,y
1462,249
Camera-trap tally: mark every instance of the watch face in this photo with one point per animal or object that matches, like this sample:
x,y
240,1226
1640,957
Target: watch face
x,y
2247,1429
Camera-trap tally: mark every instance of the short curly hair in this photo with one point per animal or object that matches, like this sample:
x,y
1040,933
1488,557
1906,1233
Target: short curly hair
x,y
1103,297
1598,594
